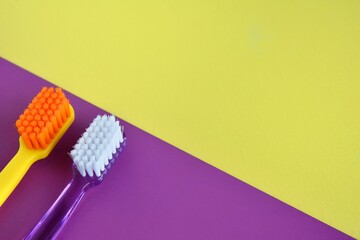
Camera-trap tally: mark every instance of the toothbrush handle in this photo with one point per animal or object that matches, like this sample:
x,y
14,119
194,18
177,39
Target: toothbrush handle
x,y
59,213
13,172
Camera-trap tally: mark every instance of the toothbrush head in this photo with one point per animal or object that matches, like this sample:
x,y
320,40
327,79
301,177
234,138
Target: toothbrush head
x,y
96,150
44,118
40,127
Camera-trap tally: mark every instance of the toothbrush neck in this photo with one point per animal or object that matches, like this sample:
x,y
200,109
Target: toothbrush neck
x,y
59,213
79,183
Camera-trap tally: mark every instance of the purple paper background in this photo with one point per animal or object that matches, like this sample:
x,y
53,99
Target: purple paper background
x,y
154,191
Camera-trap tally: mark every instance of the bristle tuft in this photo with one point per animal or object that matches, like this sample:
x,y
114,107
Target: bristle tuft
x,y
92,152
47,112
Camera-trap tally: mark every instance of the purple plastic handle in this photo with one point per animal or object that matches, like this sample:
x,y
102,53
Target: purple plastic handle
x,y
59,213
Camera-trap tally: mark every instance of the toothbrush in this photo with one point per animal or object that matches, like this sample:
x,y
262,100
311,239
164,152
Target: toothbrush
x,y
40,127
93,155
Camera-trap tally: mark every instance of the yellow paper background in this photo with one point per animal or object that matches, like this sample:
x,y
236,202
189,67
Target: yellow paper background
x,y
267,91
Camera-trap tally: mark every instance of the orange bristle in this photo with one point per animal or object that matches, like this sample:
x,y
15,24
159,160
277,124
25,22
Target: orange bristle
x,y
50,129
54,124
27,140
44,116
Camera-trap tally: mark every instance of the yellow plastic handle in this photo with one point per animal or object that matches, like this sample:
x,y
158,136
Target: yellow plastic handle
x,y
15,170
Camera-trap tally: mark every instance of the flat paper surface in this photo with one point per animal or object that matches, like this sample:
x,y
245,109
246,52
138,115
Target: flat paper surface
x,y
266,91
153,191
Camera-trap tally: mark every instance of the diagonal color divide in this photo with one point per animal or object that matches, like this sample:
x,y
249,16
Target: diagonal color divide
x,y
154,191
267,91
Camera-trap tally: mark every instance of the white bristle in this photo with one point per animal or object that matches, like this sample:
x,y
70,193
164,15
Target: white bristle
x,y
102,160
93,136
102,166
92,158
77,146
96,140
92,147
97,153
73,153
100,135
105,159
80,151
96,167
92,152
81,168
119,131
117,142
109,152
113,146
89,169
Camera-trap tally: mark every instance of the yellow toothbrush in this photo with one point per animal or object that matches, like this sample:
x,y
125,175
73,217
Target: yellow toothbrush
x,y
40,127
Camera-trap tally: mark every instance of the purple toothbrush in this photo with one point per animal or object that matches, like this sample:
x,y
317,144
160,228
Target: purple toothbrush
x,y
93,155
